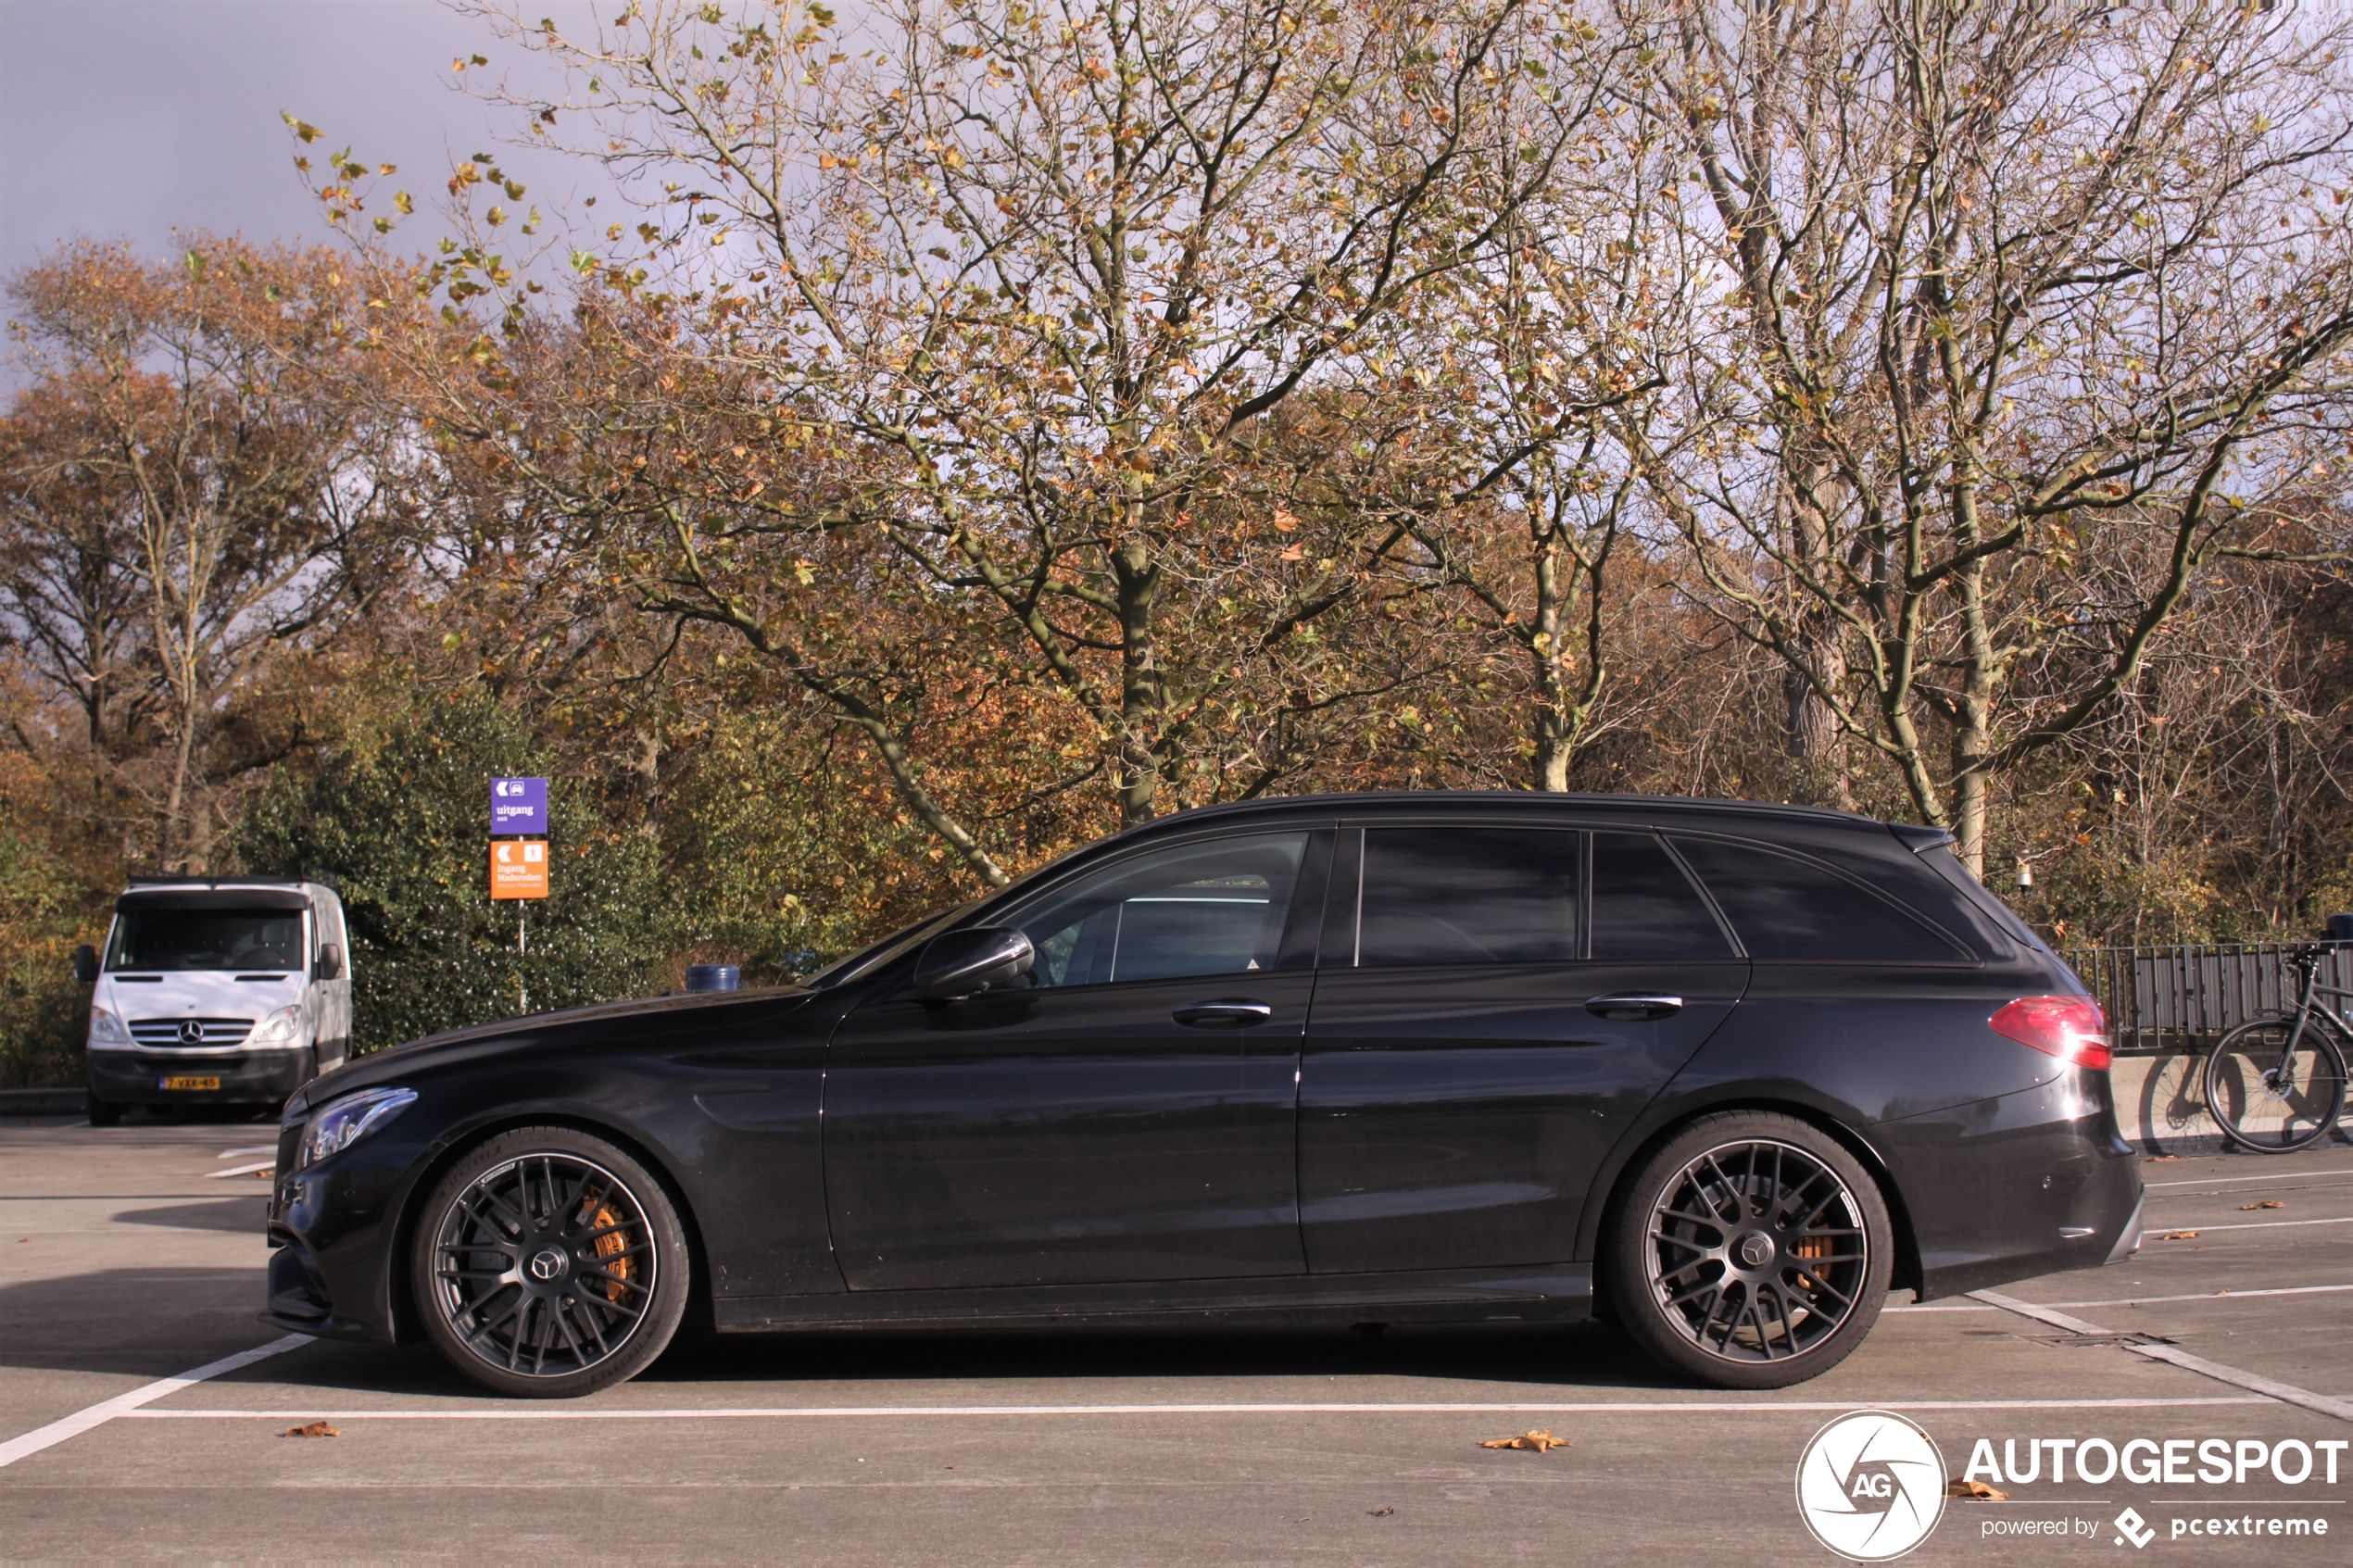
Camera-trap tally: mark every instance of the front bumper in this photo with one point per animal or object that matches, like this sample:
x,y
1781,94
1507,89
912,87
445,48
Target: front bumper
x,y
333,1234
263,1075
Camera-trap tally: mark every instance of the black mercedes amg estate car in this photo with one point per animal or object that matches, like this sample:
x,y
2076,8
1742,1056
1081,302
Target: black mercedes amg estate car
x,y
1724,1072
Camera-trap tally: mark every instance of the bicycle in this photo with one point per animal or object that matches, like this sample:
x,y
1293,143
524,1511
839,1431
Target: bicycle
x,y
2275,1084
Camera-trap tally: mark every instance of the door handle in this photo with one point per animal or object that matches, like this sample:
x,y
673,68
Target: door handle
x,y
1223,1015
1633,1006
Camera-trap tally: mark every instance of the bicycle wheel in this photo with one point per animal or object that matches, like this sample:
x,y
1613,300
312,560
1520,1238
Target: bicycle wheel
x,y
2266,1108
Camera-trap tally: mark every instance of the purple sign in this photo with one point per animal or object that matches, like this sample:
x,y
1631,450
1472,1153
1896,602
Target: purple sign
x,y
519,805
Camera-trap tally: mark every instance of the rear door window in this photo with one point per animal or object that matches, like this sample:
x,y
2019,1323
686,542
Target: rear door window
x,y
1460,895
1645,908
1787,909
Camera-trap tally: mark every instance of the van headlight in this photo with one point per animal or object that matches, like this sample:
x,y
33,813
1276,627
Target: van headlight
x,y
342,1122
106,1029
283,1027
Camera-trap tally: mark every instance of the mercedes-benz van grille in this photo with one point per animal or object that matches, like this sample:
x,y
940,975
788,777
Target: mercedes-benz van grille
x,y
190,1030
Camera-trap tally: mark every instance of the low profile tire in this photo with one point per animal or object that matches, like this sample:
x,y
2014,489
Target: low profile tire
x,y
549,1263
1751,1251
104,1112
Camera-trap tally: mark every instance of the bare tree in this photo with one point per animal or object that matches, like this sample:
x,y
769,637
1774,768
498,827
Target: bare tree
x,y
2001,281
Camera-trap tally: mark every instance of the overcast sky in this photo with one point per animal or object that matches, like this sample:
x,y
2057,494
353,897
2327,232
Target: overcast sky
x,y
127,119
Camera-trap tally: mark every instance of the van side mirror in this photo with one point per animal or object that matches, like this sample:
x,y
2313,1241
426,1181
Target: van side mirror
x,y
330,961
85,964
959,963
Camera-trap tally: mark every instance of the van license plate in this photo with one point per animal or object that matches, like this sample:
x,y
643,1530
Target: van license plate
x,y
191,1084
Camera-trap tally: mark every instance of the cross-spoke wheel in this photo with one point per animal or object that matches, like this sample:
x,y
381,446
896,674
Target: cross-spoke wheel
x,y
1751,1252
549,1263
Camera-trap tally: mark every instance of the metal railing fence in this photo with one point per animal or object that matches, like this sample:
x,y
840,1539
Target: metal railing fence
x,y
2183,997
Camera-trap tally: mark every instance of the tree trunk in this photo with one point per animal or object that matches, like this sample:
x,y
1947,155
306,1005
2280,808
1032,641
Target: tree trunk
x,y
1137,578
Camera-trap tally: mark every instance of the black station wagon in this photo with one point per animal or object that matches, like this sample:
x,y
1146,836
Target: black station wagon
x,y
1724,1072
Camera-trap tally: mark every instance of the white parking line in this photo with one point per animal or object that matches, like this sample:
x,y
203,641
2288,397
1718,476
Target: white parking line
x,y
2257,1224
2287,1393
241,1171
2276,1176
81,1421
790,1413
2127,1300
258,1149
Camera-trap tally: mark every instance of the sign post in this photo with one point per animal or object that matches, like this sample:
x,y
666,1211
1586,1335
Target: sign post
x,y
519,865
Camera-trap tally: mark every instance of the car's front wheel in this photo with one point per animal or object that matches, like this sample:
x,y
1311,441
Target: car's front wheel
x,y
549,1263
1750,1251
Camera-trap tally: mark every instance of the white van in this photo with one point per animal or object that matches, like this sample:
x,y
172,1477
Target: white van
x,y
216,990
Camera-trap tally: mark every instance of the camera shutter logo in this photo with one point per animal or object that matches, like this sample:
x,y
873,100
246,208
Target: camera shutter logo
x,y
1870,1486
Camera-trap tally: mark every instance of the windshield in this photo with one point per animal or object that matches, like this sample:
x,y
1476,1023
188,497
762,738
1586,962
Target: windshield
x,y
170,939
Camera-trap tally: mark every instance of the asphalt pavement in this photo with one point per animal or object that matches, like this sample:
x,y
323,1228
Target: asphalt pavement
x,y
133,1255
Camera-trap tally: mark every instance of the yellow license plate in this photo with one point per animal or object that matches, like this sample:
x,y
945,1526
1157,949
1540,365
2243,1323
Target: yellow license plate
x,y
185,1083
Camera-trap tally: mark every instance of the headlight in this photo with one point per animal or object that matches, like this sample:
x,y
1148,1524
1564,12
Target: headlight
x,y
280,1028
340,1124
106,1029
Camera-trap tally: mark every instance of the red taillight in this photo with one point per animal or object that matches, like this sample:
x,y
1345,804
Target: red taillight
x,y
2071,1028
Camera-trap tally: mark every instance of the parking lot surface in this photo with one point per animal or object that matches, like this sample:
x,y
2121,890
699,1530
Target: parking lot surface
x,y
135,1254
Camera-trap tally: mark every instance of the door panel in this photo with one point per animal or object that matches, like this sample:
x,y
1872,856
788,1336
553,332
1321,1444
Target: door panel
x,y
1453,1118
1077,1132
1065,1136
1452,1114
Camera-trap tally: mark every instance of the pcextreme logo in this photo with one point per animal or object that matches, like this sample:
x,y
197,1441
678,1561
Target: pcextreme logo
x,y
1870,1486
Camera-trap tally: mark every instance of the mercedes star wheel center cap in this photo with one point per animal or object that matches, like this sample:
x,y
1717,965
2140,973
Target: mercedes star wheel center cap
x,y
547,1264
1756,1249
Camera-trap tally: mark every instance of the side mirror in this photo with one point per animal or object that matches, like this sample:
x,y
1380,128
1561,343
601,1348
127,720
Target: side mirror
x,y
85,964
330,961
958,964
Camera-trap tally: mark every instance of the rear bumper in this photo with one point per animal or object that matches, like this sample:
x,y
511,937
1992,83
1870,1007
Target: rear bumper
x,y
247,1077
2028,1183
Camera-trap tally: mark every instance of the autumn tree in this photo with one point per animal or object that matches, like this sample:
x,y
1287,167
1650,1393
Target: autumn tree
x,y
1015,294
198,476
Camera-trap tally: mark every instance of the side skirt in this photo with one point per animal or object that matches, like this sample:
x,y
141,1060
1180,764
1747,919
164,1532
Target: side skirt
x,y
1557,1293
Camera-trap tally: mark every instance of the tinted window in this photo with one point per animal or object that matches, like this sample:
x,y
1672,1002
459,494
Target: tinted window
x,y
1435,896
1783,907
1643,905
206,939
1197,909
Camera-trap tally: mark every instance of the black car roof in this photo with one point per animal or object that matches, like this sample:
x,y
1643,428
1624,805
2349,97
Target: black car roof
x,y
1515,800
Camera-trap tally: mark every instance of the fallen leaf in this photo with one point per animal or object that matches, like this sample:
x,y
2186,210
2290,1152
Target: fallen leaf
x,y
2158,1159
1543,1442
2266,1203
315,1429
1977,1489
1380,1513
2178,1236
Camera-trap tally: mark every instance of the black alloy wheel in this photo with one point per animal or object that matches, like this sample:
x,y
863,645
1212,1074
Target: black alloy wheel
x,y
549,1263
1751,1251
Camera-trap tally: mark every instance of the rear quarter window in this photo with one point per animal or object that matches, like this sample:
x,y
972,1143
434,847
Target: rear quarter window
x,y
1786,909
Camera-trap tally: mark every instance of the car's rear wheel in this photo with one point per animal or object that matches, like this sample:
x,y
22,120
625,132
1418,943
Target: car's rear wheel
x,y
549,1263
1751,1251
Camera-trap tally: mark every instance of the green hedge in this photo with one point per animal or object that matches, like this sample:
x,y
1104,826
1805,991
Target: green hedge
x,y
402,829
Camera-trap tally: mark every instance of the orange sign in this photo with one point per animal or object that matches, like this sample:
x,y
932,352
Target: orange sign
x,y
519,868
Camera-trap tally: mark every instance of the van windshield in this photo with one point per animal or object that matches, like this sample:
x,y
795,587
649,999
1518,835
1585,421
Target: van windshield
x,y
169,939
